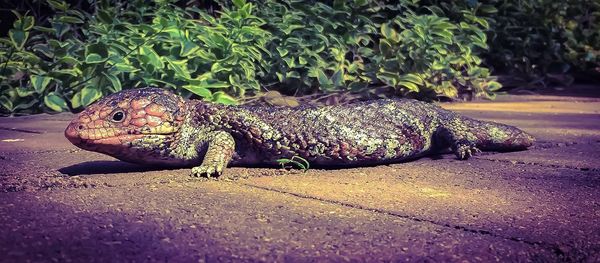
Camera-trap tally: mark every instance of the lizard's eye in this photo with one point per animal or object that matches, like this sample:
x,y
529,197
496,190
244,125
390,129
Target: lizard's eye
x,y
118,116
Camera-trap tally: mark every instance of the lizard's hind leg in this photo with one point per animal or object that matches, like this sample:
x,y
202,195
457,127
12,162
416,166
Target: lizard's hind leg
x,y
466,136
458,136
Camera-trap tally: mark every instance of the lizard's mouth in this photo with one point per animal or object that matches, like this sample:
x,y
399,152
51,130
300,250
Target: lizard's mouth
x,y
90,139
121,146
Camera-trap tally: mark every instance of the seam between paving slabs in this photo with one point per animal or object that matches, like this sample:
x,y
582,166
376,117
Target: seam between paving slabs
x,y
546,145
583,169
556,249
21,130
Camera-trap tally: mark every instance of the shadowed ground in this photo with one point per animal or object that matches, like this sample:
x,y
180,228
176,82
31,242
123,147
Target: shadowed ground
x,y
59,203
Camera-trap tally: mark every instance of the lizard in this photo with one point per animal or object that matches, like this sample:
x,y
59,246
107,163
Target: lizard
x,y
155,126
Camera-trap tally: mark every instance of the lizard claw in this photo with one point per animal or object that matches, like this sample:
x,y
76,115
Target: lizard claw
x,y
206,171
465,150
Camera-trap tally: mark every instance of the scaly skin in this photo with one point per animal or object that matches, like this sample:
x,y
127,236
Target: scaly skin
x,y
155,126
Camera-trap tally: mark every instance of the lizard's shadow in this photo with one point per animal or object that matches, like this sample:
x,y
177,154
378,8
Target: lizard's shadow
x,y
112,167
108,167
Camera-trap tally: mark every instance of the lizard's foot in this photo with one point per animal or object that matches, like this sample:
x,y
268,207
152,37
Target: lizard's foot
x,y
465,149
206,171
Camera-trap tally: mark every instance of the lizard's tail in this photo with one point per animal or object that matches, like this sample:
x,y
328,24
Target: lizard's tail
x,y
499,137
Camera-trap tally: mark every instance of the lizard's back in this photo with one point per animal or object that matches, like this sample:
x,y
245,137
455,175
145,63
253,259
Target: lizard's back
x,y
360,133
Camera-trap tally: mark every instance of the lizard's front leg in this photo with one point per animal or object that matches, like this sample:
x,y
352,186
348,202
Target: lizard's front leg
x,y
220,150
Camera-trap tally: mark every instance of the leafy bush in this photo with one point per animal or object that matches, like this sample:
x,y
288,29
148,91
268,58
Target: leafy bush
x,y
296,47
532,39
80,57
360,45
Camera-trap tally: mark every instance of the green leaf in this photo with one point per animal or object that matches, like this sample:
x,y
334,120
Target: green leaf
x,y
89,95
105,17
18,38
213,84
48,30
153,58
200,91
28,57
389,78
288,30
62,72
223,98
282,51
493,86
39,83
338,78
239,3
389,33
25,23
44,49
6,103
69,60
289,61
488,9
357,86
94,58
365,51
319,28
123,67
409,85
447,35
385,47
54,102
16,13
188,48
114,80
361,2
28,104
302,164
180,68
58,5
412,78
292,74
70,19
24,92
97,48
302,60
323,79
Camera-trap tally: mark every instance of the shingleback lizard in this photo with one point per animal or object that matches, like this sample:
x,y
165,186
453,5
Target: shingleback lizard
x,y
155,126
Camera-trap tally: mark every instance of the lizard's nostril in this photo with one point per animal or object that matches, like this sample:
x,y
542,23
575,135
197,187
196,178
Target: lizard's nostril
x,y
80,127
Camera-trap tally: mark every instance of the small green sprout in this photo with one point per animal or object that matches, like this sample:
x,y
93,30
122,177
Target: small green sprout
x,y
298,161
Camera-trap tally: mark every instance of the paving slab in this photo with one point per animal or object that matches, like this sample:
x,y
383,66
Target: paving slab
x,y
59,203
575,106
37,133
556,128
582,156
220,221
518,202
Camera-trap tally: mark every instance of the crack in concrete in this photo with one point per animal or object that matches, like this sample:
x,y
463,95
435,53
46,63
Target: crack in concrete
x,y
583,169
45,151
556,249
20,130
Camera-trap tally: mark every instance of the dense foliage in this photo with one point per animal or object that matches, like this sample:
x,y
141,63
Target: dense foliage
x,y
74,57
78,51
542,38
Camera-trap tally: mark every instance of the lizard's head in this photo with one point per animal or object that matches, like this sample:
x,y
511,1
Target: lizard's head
x,y
138,119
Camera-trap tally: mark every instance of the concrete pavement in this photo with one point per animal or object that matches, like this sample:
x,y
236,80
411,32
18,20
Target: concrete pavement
x,y
59,203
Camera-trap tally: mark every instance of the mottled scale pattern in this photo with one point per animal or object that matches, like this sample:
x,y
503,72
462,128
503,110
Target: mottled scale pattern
x,y
212,135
